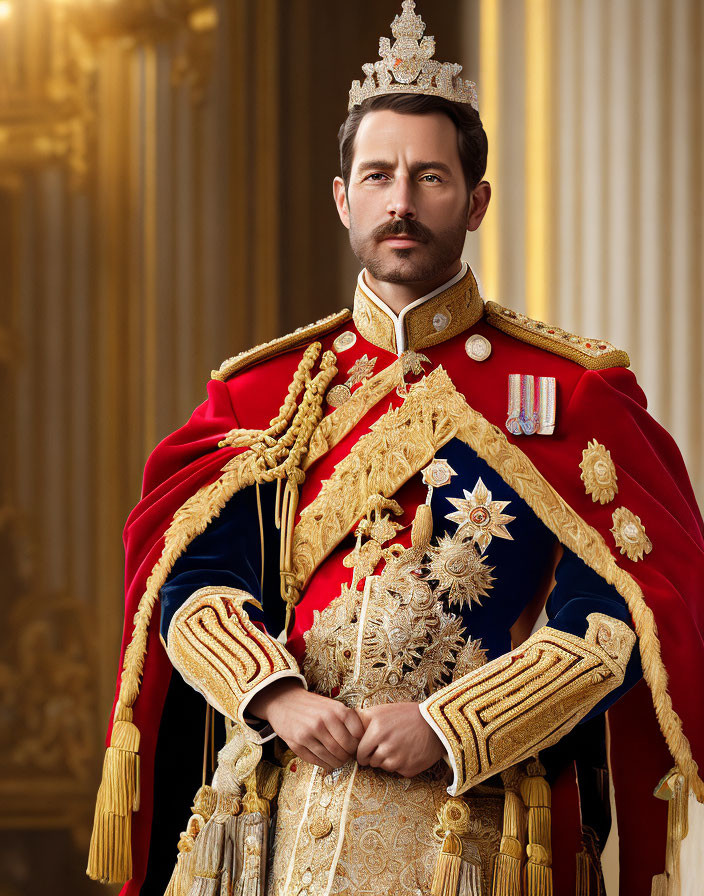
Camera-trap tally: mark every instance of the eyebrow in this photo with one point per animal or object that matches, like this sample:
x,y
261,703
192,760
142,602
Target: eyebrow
x,y
376,164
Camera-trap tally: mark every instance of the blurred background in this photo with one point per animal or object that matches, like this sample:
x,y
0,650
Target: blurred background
x,y
165,201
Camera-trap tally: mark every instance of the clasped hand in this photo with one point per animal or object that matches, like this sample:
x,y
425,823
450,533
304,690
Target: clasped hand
x,y
394,736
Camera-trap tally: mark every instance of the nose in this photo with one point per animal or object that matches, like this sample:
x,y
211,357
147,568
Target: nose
x,y
400,199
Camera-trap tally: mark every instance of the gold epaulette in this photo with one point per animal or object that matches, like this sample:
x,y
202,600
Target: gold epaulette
x,y
595,354
279,345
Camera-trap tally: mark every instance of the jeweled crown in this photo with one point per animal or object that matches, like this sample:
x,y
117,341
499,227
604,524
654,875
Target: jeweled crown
x,y
407,66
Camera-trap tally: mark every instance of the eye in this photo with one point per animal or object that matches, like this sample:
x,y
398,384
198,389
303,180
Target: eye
x,y
375,176
431,178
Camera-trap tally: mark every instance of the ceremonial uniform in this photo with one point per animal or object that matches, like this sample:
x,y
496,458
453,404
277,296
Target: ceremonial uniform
x,y
437,605
458,507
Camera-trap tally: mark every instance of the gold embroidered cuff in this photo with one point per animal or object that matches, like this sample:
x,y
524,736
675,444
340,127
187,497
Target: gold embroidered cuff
x,y
527,699
221,653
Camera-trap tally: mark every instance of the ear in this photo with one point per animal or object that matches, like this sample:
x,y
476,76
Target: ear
x,y
340,194
479,202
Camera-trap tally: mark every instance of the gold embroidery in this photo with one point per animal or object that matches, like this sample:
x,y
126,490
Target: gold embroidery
x,y
399,444
460,571
221,653
460,302
523,477
594,354
629,534
413,362
528,699
333,428
382,838
598,472
391,642
279,345
479,517
378,526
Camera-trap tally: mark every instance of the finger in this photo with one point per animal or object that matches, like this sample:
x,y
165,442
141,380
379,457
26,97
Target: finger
x,y
334,748
355,725
366,748
378,757
306,755
343,736
389,765
325,757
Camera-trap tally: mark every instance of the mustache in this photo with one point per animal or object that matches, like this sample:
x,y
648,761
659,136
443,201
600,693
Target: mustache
x,y
403,227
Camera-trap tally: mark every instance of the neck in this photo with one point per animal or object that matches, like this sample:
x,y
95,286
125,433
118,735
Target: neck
x,y
398,295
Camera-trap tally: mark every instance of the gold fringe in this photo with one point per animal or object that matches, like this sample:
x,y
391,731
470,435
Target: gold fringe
x,y
538,874
182,876
110,853
673,788
583,873
506,879
446,876
536,795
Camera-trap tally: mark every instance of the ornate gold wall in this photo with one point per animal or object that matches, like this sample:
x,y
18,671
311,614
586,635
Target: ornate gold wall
x,y
165,201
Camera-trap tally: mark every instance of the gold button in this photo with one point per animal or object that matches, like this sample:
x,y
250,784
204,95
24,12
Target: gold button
x,y
344,341
478,347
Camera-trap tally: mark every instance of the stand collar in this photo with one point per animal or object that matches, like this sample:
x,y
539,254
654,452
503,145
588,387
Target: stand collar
x,y
430,320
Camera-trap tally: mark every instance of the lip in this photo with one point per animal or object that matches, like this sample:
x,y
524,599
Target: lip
x,y
401,242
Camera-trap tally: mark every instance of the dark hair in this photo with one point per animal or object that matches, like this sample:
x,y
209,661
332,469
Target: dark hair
x,y
471,138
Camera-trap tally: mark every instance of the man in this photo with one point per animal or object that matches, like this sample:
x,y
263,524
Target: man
x,y
402,496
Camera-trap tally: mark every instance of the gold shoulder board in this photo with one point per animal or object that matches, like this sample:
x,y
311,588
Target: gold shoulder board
x,y
595,354
279,345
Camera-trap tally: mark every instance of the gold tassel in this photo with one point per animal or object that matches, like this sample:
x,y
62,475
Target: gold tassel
x,y
110,854
453,822
422,529
446,877
506,880
536,795
673,788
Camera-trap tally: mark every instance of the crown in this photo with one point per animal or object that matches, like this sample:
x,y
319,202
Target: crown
x,y
407,66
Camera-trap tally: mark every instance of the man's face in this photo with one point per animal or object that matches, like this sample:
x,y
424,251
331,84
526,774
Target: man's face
x,y
408,206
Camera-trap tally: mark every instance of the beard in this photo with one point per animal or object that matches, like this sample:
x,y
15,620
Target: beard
x,y
427,261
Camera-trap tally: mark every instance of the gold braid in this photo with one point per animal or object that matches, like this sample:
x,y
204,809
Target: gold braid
x,y
280,459
238,438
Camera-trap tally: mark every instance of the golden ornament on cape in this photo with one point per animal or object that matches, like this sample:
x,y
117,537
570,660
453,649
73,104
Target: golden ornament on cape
x,y
629,534
598,472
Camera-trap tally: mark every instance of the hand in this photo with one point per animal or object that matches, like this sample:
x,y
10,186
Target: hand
x,y
398,739
318,729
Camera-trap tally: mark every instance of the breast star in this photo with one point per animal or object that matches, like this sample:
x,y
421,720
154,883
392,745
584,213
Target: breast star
x,y
480,518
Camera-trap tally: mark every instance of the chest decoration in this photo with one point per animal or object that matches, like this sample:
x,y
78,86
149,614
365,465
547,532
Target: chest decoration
x,y
401,636
479,518
412,364
395,641
360,371
531,405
